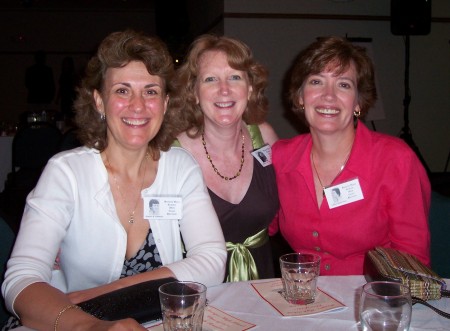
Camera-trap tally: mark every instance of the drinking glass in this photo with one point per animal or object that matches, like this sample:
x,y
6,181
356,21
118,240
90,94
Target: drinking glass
x,y
299,274
385,306
182,305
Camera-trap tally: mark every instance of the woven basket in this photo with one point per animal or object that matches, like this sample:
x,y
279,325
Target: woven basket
x,y
392,265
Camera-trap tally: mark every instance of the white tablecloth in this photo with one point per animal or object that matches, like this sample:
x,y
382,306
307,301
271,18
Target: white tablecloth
x,y
5,159
242,301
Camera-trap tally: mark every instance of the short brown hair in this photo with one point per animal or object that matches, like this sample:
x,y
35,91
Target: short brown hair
x,y
335,51
115,51
188,113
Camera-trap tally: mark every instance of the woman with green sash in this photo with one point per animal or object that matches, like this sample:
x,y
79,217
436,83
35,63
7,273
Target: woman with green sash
x,y
220,105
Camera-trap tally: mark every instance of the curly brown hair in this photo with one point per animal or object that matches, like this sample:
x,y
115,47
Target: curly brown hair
x,y
115,51
339,52
185,110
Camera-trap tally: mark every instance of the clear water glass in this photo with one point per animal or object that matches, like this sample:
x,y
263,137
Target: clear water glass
x,y
385,306
299,274
182,305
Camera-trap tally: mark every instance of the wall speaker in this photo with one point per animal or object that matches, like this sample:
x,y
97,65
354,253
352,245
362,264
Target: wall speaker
x,y
410,17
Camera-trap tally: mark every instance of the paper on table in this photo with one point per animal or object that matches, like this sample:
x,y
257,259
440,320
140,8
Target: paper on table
x,y
154,327
215,320
270,292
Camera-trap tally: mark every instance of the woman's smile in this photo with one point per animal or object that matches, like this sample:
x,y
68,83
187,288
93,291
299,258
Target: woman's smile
x,y
135,122
328,111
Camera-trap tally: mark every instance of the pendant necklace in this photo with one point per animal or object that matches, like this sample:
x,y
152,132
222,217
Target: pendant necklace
x,y
215,168
131,219
340,171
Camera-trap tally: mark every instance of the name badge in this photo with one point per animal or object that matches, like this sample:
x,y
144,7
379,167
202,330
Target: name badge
x,y
263,155
163,208
344,193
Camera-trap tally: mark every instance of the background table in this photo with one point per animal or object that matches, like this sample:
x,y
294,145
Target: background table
x,y
5,159
242,301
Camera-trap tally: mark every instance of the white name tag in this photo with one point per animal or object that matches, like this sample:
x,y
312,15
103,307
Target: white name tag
x,y
167,207
343,193
263,155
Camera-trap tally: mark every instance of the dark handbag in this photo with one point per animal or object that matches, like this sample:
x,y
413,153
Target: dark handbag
x,y
139,301
387,264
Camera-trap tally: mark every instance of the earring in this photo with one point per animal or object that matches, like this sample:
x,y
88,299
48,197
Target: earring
x,y
302,108
357,113
102,117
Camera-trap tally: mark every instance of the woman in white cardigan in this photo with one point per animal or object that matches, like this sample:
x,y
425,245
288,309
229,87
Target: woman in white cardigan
x,y
87,228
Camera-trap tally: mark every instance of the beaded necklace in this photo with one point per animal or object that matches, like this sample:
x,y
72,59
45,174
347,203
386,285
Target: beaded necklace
x,y
215,168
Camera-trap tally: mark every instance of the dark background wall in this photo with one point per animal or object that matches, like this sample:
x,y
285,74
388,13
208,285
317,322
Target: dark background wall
x,y
275,30
60,28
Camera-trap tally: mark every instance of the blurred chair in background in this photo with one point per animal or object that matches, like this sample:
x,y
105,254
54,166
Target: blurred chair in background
x,y
33,146
69,140
6,242
440,234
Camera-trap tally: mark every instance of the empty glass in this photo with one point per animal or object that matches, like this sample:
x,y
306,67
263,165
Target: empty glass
x,y
385,306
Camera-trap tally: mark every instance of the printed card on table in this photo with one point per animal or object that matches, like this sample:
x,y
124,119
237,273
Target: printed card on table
x,y
215,320
271,292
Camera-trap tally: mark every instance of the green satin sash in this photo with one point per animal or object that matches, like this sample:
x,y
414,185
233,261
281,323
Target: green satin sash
x,y
242,265
255,134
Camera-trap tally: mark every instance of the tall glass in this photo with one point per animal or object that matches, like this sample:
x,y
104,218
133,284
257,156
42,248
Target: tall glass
x,y
385,306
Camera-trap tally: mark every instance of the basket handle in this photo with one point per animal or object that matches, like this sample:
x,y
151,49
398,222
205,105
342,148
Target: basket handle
x,y
444,293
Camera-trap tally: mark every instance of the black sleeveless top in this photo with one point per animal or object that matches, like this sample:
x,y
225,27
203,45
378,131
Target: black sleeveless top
x,y
254,213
